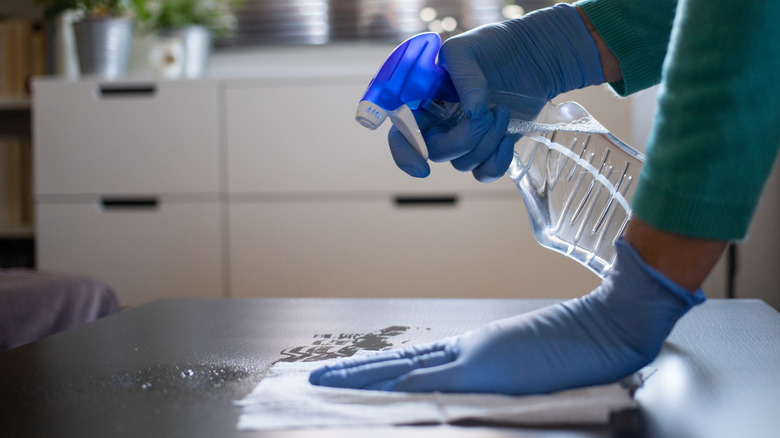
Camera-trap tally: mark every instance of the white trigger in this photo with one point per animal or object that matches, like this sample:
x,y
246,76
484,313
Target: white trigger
x,y
403,120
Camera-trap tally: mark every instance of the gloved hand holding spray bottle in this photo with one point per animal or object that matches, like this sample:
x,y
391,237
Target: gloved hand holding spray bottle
x,y
576,180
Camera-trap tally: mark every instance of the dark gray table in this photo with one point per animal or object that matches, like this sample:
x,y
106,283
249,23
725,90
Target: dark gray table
x,y
172,368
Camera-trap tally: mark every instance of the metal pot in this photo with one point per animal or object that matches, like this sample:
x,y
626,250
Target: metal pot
x,y
103,45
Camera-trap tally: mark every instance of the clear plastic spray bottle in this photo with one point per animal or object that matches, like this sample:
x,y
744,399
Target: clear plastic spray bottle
x,y
576,178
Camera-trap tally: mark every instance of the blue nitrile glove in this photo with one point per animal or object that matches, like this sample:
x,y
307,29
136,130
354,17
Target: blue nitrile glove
x,y
541,55
596,339
479,145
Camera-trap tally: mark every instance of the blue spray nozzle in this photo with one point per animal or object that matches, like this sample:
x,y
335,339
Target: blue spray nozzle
x,y
409,75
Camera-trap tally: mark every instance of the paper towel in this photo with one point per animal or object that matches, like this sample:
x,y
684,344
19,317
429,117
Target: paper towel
x,y
285,399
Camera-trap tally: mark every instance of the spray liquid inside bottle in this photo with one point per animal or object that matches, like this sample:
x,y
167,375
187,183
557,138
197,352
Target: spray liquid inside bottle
x,y
575,178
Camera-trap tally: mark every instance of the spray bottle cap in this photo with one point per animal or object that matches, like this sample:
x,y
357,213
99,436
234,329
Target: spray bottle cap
x,y
408,76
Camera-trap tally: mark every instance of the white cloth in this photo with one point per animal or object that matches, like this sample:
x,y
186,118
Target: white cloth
x,y
285,399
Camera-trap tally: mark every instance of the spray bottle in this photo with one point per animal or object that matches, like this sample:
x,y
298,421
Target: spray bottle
x,y
575,178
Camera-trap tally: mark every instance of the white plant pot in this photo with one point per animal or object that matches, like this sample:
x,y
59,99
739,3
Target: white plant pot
x,y
182,52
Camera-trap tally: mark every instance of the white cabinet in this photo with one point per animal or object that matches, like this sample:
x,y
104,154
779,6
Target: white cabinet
x,y
266,186
127,185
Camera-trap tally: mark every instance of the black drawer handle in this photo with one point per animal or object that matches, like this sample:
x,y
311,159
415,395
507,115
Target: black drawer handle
x,y
426,201
129,203
129,90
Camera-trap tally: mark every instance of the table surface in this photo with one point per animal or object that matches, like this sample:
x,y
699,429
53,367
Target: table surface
x,y
173,368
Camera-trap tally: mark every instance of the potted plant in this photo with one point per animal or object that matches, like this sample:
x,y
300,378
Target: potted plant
x,y
103,33
190,23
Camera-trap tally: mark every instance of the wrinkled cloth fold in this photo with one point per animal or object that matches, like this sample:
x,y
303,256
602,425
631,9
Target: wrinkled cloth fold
x,y
285,399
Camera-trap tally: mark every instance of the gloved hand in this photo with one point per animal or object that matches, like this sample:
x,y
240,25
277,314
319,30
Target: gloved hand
x,y
596,339
540,55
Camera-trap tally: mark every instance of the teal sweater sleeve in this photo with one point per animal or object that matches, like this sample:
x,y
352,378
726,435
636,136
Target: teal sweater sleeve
x,y
717,130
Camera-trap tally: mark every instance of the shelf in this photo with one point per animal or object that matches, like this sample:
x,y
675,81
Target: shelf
x,y
15,116
15,103
17,233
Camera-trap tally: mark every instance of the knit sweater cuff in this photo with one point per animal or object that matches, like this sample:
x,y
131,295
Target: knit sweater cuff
x,y
695,216
639,49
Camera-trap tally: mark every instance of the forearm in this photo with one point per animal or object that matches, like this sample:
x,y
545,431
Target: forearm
x,y
685,260
637,33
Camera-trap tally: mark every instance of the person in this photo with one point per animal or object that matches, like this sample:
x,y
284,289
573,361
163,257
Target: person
x,y
715,136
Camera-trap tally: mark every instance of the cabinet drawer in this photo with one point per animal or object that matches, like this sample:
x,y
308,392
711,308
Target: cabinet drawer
x,y
143,250
302,137
474,247
157,137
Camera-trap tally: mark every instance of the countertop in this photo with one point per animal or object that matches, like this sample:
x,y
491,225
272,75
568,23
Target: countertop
x,y
174,367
